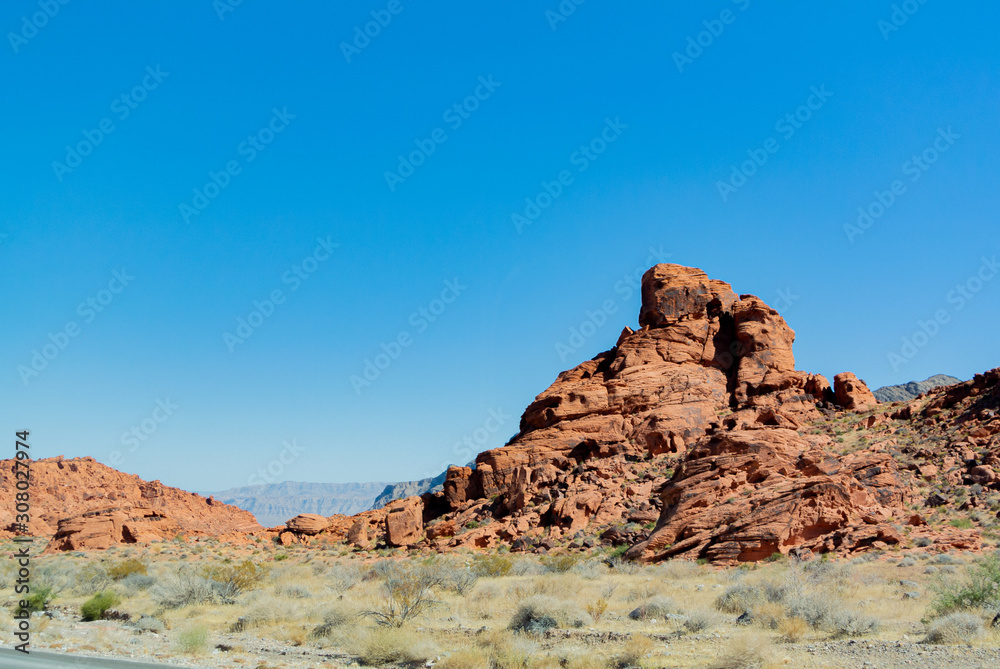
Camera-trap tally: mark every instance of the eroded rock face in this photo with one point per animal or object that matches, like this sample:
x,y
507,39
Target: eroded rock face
x,y
852,393
404,523
89,505
308,523
741,496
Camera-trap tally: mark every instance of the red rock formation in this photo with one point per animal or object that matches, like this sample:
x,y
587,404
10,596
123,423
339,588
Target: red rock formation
x,y
852,393
85,504
741,496
308,523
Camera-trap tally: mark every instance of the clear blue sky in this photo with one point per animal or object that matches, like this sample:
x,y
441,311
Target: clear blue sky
x,y
678,124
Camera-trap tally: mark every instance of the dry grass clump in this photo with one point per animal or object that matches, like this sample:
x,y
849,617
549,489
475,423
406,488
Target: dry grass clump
x,y
632,653
193,639
335,618
655,607
385,645
745,652
540,613
961,627
739,598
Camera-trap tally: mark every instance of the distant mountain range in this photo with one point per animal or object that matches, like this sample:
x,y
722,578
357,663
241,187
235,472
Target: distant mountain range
x,y
408,489
275,503
907,391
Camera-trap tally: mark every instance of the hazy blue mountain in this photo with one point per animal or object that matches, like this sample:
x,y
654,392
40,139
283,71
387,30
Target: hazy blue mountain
x,y
907,391
275,503
395,491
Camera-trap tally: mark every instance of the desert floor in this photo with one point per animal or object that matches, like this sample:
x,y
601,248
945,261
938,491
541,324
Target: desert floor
x,y
206,604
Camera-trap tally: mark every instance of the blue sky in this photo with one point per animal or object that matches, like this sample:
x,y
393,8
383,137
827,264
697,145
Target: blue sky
x,y
631,116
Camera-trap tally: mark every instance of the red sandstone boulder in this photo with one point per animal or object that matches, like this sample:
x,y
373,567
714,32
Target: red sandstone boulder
x,y
852,393
404,525
308,523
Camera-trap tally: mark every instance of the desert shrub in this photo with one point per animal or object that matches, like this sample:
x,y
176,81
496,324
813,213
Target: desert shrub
x,y
39,598
263,611
94,608
739,598
507,651
149,624
334,618
626,567
91,578
231,580
183,589
540,613
54,577
631,654
981,587
699,621
526,567
343,577
816,610
381,646
597,608
745,652
960,627
120,569
135,582
655,607
193,639
493,565
561,563
462,581
852,623
293,591
406,594
588,569
792,630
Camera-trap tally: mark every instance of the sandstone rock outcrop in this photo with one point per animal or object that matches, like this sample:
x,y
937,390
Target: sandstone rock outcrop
x,y
404,523
80,504
852,393
308,523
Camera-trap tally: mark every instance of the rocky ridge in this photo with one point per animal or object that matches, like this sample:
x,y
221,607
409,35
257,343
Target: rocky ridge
x,y
694,437
79,504
905,392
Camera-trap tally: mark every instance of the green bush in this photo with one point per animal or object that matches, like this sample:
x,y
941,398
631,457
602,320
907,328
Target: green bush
x,y
123,568
981,587
560,563
40,598
94,608
494,565
193,639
